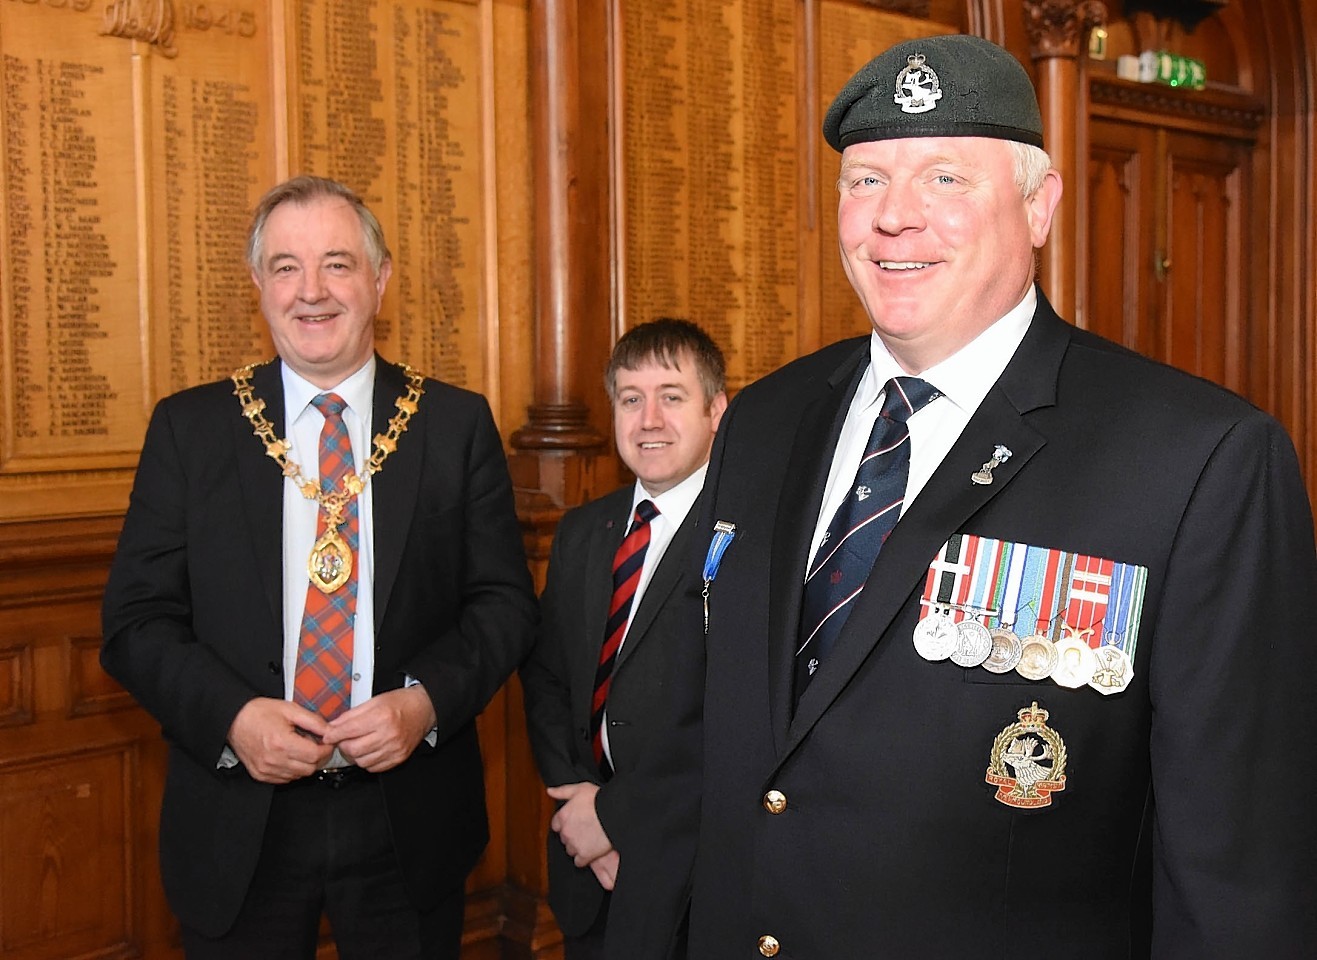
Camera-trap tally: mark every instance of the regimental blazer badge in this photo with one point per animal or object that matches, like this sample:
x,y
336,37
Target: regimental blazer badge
x,y
1027,764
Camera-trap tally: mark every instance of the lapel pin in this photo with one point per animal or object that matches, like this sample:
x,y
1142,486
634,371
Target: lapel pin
x,y
1000,454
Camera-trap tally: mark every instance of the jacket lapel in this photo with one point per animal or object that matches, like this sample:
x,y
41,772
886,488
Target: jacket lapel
x,y
393,501
597,595
262,484
944,506
660,585
806,475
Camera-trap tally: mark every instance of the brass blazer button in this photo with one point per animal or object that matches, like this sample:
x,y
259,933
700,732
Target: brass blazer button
x,y
768,945
775,801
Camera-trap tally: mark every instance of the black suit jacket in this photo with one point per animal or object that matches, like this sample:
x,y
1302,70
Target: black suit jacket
x,y
193,620
648,810
1185,828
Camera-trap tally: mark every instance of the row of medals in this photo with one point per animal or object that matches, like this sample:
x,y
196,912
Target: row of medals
x,y
1035,657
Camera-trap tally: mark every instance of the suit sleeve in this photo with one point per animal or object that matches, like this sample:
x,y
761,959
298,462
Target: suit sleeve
x,y
464,666
546,674
149,644
1234,870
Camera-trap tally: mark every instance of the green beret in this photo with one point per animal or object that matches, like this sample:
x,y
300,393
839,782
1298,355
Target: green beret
x,y
947,86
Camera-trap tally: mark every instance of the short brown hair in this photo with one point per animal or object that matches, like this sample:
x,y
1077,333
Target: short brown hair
x,y
663,341
301,190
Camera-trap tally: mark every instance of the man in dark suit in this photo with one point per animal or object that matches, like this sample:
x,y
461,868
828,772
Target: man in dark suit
x,y
612,650
320,712
1062,706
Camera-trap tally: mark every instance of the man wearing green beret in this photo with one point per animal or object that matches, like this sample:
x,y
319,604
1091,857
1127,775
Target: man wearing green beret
x,y
1005,625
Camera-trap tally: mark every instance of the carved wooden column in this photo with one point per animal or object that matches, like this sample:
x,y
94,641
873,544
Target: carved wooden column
x,y
558,451
571,308
1058,30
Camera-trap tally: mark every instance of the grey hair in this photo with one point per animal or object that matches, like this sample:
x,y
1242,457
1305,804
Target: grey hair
x,y
301,190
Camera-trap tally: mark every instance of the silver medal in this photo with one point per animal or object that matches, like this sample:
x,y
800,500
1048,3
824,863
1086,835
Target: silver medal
x,y
973,644
936,637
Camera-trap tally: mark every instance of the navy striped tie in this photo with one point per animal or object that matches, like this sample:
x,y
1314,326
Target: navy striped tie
x,y
859,528
627,564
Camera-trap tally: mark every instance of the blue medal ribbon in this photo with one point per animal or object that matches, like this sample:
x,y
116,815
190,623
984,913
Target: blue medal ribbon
x,y
723,534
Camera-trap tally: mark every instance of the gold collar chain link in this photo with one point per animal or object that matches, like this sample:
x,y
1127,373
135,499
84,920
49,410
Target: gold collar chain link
x,y
333,501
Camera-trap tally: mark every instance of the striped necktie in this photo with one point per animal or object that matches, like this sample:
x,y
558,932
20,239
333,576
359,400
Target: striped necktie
x,y
322,681
859,528
627,564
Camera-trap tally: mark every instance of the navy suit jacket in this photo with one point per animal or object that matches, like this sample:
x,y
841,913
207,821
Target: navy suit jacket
x,y
1185,828
193,622
649,811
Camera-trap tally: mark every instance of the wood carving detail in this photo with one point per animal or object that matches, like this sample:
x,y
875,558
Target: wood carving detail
x,y
1240,117
151,21
1058,28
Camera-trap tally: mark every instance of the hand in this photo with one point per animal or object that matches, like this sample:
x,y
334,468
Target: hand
x,y
605,869
577,823
278,741
382,732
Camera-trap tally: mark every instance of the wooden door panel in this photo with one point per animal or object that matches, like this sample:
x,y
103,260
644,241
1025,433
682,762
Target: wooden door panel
x,y
1201,316
1117,293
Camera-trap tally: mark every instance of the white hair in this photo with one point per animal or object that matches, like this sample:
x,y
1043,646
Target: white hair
x,y
1031,166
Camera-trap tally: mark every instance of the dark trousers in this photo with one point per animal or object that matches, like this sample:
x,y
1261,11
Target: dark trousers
x,y
327,850
590,945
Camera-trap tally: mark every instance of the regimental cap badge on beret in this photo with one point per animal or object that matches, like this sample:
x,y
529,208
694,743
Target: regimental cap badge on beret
x,y
917,87
943,86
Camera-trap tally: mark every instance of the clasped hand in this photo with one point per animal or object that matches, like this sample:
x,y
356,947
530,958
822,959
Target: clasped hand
x,y
577,824
278,741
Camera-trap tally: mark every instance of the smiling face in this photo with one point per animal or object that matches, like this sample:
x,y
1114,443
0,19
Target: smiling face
x,y
319,293
663,426
937,240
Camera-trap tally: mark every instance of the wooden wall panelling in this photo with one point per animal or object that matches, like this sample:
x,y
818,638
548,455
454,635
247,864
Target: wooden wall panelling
x,y
79,795
129,135
1282,42
708,175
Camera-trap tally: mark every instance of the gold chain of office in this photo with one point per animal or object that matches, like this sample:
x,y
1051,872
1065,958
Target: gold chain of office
x,y
330,563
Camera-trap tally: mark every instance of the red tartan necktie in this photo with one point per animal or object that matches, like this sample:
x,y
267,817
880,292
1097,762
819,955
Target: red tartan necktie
x,y
627,564
323,680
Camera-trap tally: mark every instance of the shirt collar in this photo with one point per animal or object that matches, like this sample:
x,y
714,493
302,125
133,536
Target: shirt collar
x,y
967,375
677,501
357,391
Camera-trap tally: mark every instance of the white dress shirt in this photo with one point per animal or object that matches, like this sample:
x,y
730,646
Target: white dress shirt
x,y
963,379
673,505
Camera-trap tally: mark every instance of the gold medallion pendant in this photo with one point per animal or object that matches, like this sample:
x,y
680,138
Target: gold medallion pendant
x,y
330,564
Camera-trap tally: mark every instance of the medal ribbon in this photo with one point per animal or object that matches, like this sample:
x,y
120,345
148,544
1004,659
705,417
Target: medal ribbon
x,y
1007,598
942,577
963,573
984,577
1128,582
1089,592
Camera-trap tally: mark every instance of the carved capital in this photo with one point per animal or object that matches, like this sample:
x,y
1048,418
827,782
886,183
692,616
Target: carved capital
x,y
1059,28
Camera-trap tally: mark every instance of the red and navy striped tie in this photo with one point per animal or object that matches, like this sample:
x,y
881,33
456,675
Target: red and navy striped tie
x,y
859,528
627,564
